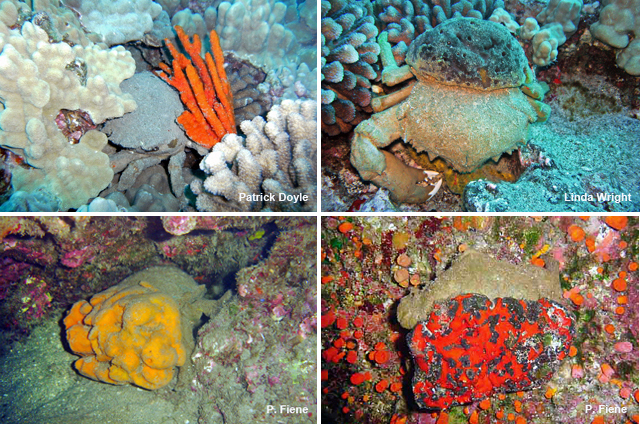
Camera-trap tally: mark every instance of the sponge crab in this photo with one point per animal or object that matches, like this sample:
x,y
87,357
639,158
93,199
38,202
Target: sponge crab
x,y
473,99
485,326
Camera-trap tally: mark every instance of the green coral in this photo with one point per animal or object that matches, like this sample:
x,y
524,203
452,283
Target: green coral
x,y
531,238
457,416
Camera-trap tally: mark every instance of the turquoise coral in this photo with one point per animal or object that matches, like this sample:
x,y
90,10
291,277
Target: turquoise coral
x,y
618,21
349,63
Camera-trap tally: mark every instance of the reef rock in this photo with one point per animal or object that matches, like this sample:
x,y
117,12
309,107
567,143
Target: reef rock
x,y
472,347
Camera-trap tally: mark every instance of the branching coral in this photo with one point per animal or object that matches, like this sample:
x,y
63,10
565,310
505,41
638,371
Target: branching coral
x,y
292,82
501,16
403,20
268,33
39,79
254,91
447,9
564,12
559,20
203,88
349,63
274,168
545,43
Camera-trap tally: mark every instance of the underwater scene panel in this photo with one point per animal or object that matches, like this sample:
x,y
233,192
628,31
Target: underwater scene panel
x,y
479,319
496,105
158,319
163,106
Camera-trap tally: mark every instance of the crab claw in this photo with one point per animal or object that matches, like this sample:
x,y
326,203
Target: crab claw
x,y
433,179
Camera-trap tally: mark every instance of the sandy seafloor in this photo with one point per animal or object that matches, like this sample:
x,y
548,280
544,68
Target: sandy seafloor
x,y
40,386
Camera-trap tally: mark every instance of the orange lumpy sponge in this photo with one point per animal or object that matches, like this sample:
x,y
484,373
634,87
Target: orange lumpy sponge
x,y
127,334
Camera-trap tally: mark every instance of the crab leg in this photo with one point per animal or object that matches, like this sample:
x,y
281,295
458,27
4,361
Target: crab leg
x,y
406,184
383,102
392,74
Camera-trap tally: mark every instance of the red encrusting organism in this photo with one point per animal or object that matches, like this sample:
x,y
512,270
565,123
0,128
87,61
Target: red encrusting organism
x,y
471,348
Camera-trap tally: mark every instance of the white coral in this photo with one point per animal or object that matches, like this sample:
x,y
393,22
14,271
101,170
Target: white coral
x,y
619,19
274,168
119,21
37,80
559,20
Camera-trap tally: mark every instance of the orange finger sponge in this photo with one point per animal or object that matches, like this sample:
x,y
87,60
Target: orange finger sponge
x,y
127,334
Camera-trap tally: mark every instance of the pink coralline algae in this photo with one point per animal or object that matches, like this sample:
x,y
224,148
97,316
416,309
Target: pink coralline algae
x,y
623,347
278,312
74,124
78,257
308,327
182,225
10,273
471,348
34,297
179,225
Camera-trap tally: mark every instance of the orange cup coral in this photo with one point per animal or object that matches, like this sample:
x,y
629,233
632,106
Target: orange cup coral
x,y
127,334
